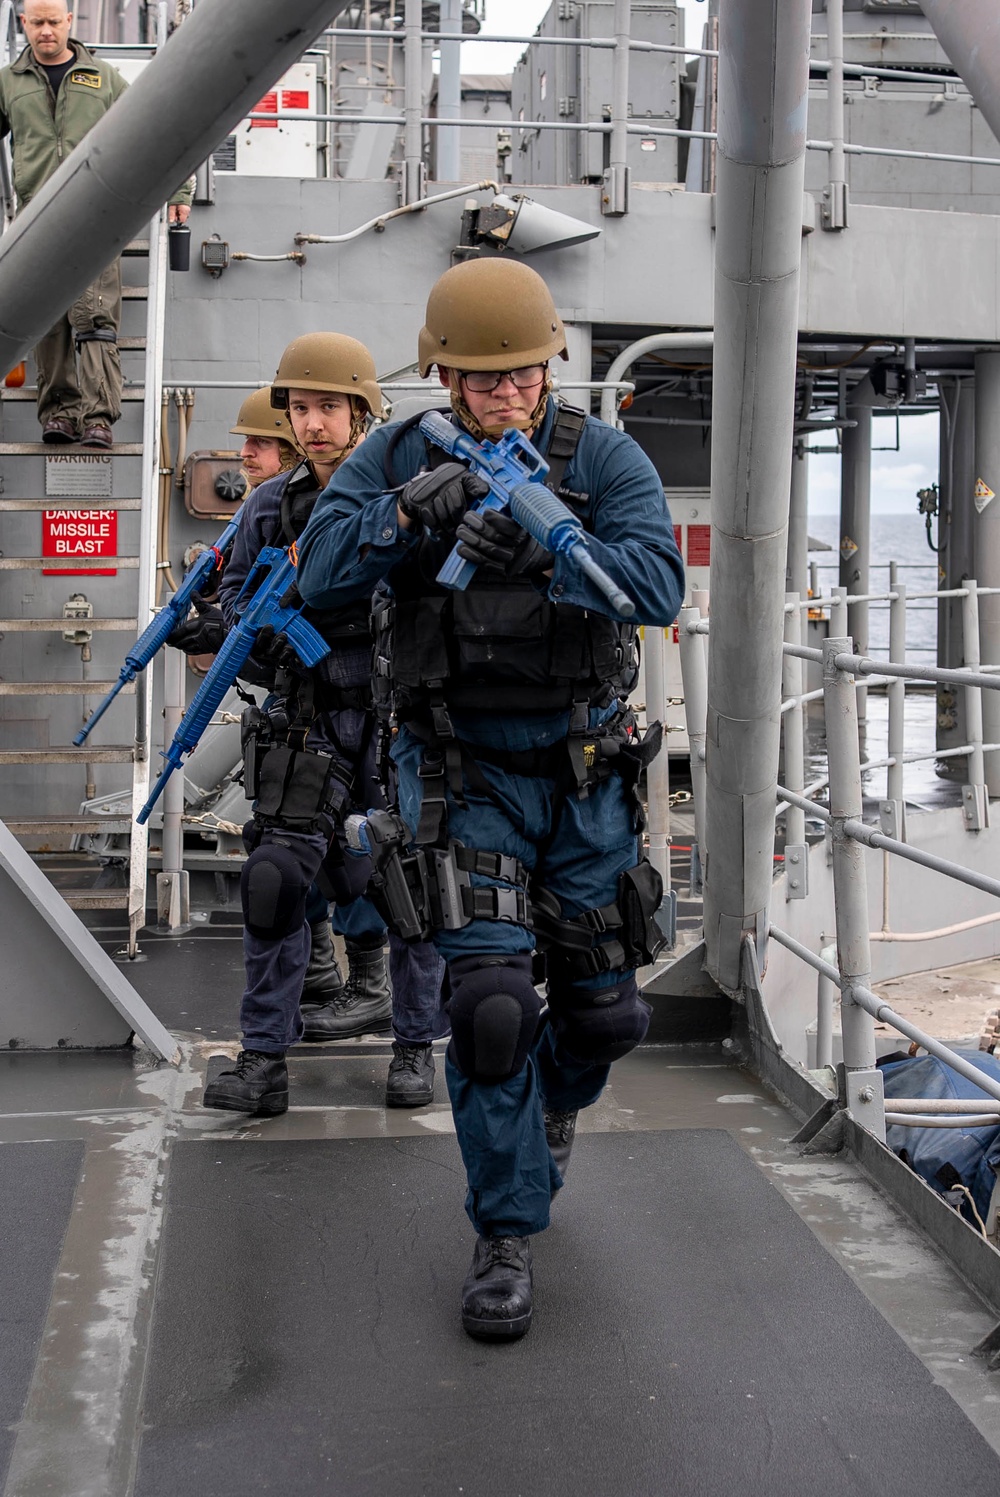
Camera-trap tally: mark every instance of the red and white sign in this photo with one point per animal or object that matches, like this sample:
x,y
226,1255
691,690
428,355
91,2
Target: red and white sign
x,y
286,147
81,535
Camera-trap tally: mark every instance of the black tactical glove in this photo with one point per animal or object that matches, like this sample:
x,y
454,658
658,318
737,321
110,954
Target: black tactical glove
x,y
202,635
492,539
438,499
275,652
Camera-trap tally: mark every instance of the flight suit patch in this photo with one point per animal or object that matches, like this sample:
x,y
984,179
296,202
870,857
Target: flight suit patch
x,y
89,80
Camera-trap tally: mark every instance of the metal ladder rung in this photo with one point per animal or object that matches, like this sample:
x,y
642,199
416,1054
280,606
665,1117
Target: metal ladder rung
x,y
79,564
116,754
62,688
138,342
22,506
64,626
69,449
95,899
135,293
37,826
136,247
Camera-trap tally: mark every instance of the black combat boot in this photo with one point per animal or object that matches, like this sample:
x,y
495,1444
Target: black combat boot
x,y
411,1076
257,1084
323,984
365,1005
324,980
560,1128
496,1296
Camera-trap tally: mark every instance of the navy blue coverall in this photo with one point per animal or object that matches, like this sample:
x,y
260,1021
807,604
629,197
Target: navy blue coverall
x,y
351,541
275,966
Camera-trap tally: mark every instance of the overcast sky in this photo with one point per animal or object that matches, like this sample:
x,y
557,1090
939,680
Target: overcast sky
x,y
895,476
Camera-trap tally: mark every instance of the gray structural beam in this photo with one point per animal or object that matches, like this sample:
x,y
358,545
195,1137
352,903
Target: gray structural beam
x,y
986,541
60,989
797,555
856,514
969,31
763,83
448,148
954,538
208,76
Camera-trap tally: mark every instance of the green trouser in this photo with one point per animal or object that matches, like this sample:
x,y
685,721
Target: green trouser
x,y
83,384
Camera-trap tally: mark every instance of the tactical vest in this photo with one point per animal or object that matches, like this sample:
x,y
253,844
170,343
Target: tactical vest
x,y
348,624
499,646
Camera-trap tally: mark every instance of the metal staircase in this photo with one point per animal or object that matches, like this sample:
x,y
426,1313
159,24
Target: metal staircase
x,y
35,611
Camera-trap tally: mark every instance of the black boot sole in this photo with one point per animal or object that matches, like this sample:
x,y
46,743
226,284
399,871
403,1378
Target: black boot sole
x,y
372,1026
496,1330
270,1106
411,1099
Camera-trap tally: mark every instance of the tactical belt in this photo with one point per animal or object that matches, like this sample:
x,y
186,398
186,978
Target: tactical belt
x,y
578,762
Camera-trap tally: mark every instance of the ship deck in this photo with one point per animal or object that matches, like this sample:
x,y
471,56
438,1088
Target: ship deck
x,y
197,1303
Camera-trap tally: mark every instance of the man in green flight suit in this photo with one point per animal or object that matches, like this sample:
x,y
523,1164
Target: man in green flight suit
x,y
50,96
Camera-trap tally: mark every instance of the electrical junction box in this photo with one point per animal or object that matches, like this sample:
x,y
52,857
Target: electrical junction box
x,y
214,485
277,147
557,83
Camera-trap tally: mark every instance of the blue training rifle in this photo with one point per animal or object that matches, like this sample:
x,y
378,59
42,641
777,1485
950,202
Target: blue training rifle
x,y
174,612
268,599
512,468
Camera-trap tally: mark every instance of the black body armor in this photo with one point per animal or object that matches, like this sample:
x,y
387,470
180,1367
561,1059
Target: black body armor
x,y
501,645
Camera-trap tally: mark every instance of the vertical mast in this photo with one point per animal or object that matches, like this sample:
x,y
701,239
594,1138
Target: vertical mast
x,y
763,83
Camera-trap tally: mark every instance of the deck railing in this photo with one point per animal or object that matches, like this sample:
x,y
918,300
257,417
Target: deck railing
x,y
842,816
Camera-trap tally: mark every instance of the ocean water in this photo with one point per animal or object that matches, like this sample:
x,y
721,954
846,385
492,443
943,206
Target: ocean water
x,y
900,538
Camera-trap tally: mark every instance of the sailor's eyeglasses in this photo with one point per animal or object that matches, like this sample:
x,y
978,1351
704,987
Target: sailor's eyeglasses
x,y
485,381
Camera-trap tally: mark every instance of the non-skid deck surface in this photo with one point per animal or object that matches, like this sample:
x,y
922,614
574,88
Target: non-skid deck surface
x,y
691,1337
37,1181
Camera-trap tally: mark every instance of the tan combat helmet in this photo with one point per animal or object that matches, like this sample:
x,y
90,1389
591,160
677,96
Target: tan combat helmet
x,y
491,314
258,418
328,361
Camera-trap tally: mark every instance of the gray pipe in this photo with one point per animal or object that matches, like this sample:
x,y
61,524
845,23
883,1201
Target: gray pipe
x,y
797,556
630,355
763,84
448,143
207,77
986,539
969,31
855,516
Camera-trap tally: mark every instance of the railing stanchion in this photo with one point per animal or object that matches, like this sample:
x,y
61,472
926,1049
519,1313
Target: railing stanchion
x,y
850,884
975,801
694,676
833,209
793,742
614,190
658,777
892,812
413,156
839,623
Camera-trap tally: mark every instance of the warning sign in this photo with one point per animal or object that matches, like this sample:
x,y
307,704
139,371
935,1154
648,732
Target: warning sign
x,y
78,475
267,105
982,494
79,534
848,547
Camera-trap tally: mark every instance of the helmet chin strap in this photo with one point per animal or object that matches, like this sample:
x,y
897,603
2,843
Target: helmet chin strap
x,y
359,425
491,433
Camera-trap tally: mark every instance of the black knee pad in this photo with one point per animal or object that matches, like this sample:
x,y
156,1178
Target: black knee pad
x,y
599,1025
494,1013
274,888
